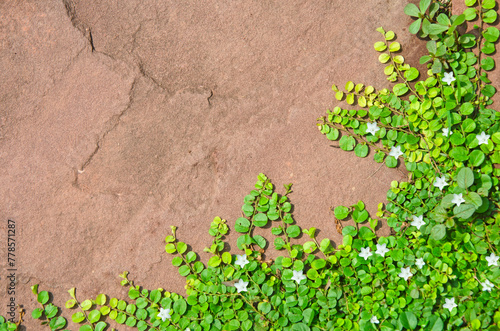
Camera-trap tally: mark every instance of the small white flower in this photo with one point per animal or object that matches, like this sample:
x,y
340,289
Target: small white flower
x,y
298,276
241,260
405,273
395,151
374,320
487,286
457,199
418,221
381,249
372,128
440,182
482,138
492,260
450,304
448,77
447,132
365,252
164,314
241,286
187,329
420,263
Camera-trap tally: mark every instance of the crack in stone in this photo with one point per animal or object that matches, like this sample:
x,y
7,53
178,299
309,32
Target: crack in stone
x,y
143,72
115,119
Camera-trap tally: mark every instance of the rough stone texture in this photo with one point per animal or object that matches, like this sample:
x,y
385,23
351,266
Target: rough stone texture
x,y
119,119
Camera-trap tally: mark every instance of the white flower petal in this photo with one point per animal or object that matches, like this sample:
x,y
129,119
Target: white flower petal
x,y
448,77
487,286
450,304
381,249
374,320
405,273
241,260
492,260
418,221
395,151
164,314
482,138
241,286
457,199
420,263
365,252
440,182
298,276
372,128
447,132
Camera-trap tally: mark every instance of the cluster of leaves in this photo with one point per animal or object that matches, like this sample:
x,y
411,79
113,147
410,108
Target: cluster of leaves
x,y
439,268
48,313
7,325
445,219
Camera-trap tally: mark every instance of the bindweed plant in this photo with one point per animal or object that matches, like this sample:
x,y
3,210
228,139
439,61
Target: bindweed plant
x,y
439,268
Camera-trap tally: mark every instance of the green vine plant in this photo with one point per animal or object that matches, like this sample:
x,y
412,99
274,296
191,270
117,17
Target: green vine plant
x,y
439,267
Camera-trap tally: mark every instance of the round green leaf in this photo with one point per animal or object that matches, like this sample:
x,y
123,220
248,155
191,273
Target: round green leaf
x,y
101,299
293,231
94,316
50,311
438,232
181,247
465,178
349,230
361,150
170,248
476,158
459,154
242,225
260,241
384,58
341,212
78,317
400,89
100,326
57,323
43,297
86,305
411,74
70,303
214,261
408,320
380,46
464,211
412,10
394,47
347,143
391,162
488,63
37,313
180,306
260,219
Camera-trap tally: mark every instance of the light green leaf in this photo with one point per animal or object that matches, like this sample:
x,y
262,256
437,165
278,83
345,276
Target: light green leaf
x,y
347,143
400,89
464,210
361,150
380,46
465,178
411,10
438,232
394,47
341,212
